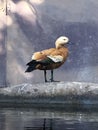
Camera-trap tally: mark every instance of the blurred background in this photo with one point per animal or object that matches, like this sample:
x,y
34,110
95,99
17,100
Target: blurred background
x,y
27,26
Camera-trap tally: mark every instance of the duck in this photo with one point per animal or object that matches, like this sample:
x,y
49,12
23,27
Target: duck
x,y
50,59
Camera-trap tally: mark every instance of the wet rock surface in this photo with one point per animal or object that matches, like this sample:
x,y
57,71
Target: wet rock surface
x,y
51,94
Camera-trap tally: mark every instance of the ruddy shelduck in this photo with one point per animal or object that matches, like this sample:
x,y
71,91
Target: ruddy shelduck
x,y
50,59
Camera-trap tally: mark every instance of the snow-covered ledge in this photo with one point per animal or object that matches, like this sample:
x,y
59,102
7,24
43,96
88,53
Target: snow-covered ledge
x,y
54,94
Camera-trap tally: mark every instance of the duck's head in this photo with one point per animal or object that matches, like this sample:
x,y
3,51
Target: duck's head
x,y
61,41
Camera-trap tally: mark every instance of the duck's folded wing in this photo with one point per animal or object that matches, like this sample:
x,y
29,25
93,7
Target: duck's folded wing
x,y
47,60
56,59
51,59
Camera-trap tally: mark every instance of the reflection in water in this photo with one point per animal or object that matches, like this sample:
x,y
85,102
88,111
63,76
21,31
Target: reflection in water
x,y
33,119
46,125
61,124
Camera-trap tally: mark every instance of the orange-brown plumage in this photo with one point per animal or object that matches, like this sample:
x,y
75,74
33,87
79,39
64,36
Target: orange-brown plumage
x,y
50,59
54,52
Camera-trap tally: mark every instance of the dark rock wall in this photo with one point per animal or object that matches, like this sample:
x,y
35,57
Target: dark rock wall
x,y
35,24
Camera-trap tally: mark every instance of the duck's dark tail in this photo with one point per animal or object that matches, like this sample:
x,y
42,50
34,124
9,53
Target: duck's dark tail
x,y
31,66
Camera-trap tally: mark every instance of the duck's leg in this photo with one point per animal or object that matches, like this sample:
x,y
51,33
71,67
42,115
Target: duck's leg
x,y
45,75
52,79
51,76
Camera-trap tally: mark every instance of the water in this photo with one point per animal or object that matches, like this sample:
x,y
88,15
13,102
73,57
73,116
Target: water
x,y
37,119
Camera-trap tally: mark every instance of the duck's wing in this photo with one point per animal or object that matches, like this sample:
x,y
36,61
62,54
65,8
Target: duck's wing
x,y
38,57
46,57
41,55
51,59
56,59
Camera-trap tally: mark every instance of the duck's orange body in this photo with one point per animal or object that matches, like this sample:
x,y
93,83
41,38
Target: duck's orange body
x,y
54,52
49,59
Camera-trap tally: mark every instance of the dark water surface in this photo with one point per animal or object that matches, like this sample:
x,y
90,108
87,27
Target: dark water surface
x,y
37,119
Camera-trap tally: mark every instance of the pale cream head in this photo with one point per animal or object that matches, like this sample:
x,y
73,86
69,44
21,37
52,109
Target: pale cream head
x,y
61,41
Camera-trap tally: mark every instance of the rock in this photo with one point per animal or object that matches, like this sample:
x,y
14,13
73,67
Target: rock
x,y
51,94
